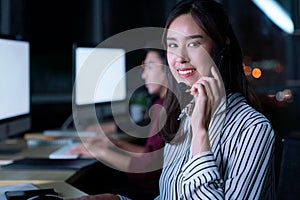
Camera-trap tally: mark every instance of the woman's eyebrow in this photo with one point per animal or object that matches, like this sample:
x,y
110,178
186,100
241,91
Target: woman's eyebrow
x,y
171,38
195,36
188,37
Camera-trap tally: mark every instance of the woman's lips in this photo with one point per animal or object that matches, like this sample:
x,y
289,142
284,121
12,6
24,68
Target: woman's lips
x,y
185,73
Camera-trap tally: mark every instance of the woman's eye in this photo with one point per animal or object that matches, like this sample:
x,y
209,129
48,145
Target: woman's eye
x,y
172,45
194,44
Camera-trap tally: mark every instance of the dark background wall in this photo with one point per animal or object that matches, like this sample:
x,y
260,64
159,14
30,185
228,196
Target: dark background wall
x,y
53,25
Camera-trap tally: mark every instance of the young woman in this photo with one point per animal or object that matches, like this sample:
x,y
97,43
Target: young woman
x,y
219,146
225,145
154,75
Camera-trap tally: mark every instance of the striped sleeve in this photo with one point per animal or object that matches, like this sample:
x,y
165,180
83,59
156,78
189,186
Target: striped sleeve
x,y
251,163
246,173
122,197
201,178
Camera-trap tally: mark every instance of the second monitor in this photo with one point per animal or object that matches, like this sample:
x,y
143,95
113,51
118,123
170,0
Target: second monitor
x,y
99,75
99,80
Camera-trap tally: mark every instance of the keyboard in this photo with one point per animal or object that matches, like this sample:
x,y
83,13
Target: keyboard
x,y
69,133
63,152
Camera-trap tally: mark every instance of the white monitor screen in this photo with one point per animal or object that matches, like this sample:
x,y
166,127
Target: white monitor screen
x,y
14,78
100,75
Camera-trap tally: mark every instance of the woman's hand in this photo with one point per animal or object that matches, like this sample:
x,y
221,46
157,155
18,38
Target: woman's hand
x,y
93,147
80,149
207,92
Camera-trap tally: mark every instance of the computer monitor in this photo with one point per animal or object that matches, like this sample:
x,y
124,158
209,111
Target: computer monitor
x,y
15,116
99,76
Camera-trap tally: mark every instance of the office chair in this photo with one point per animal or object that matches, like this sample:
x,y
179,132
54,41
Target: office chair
x,y
289,175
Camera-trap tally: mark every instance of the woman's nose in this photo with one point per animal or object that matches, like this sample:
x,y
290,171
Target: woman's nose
x,y
182,56
182,59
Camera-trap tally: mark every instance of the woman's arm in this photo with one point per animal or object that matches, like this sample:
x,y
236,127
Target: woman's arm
x,y
104,149
246,170
127,146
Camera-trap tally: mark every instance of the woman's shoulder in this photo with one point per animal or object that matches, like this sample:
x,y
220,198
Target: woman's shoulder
x,y
239,109
242,117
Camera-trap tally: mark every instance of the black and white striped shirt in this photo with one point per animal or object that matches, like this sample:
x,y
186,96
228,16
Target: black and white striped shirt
x,y
239,165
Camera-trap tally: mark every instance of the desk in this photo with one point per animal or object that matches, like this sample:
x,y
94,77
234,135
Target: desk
x,y
42,179
62,188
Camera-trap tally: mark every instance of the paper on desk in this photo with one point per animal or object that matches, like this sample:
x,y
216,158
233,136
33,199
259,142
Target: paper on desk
x,y
22,186
5,162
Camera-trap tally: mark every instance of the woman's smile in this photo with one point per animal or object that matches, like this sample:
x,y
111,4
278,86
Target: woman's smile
x,y
186,72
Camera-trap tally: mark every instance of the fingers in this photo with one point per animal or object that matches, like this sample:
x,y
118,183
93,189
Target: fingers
x,y
215,73
83,150
198,88
77,149
80,148
212,87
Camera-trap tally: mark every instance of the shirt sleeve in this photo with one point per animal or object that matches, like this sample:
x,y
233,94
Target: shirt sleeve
x,y
153,151
122,197
246,172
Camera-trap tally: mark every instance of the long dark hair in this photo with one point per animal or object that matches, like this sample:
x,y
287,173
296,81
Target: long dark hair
x,y
227,54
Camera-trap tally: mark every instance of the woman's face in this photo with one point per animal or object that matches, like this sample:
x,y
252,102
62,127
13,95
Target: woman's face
x,y
188,50
153,74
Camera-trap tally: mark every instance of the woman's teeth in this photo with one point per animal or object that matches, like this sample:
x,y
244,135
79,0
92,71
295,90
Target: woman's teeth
x,y
184,72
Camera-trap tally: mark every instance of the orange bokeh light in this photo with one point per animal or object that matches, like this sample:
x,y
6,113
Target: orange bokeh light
x,y
256,73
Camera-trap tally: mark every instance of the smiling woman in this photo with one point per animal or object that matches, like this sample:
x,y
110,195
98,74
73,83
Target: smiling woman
x,y
214,151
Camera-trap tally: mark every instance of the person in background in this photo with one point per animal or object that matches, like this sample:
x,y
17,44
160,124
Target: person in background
x,y
218,143
155,79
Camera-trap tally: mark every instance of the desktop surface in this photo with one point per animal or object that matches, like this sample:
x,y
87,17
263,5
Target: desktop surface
x,y
50,178
49,164
64,189
38,152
